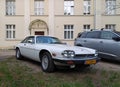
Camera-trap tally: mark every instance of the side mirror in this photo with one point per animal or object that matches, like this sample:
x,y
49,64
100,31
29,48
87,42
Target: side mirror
x,y
116,38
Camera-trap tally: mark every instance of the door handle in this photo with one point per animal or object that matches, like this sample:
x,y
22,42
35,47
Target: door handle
x,y
85,40
24,44
101,41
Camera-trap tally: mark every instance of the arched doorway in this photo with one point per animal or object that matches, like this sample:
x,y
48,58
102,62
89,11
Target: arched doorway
x,y
38,27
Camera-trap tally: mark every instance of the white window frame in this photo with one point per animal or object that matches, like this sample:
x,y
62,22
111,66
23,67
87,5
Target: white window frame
x,y
68,7
68,31
86,27
39,7
10,31
110,26
10,7
87,7
110,7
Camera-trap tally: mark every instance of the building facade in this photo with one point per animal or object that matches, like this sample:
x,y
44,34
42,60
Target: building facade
x,y
60,18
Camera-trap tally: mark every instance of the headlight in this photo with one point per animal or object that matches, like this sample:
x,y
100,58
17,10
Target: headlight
x,y
96,53
68,53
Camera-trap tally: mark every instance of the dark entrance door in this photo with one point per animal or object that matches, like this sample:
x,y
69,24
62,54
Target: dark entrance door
x,y
39,32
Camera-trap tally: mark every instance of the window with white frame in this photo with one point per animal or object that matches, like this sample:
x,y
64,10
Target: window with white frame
x,y
110,7
110,26
86,7
68,7
39,7
86,27
10,7
10,31
68,31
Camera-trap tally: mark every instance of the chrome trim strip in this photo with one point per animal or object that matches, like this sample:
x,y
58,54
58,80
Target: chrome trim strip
x,y
107,54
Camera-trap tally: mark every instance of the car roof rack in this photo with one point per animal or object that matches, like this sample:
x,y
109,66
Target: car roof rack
x,y
102,29
93,29
107,29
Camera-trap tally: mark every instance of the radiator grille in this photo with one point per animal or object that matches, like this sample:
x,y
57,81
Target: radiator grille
x,y
85,56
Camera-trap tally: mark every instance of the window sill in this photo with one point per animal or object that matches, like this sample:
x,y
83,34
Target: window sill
x,y
67,39
110,15
38,15
73,15
13,15
14,39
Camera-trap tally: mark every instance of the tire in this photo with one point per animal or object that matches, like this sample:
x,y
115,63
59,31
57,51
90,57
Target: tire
x,y
47,64
18,54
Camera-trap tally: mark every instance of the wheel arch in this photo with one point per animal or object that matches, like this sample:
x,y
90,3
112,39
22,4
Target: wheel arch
x,y
18,48
43,51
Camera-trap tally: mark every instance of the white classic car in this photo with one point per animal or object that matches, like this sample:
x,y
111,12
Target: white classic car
x,y
51,52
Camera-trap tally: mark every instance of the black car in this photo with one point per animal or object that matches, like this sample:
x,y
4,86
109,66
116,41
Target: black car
x,y
105,41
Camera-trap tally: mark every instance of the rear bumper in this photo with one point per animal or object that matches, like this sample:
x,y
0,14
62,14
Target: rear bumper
x,y
73,61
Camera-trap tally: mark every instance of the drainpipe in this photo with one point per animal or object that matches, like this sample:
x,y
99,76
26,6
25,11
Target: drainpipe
x,y
26,17
94,14
51,17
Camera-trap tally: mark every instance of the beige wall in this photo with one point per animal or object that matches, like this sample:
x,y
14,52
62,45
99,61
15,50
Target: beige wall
x,y
77,21
59,7
19,31
54,18
18,20
19,7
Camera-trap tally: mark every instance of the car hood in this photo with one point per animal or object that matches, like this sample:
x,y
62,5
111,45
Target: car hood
x,y
62,47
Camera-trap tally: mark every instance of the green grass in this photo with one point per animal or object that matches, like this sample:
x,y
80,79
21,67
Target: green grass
x,y
15,73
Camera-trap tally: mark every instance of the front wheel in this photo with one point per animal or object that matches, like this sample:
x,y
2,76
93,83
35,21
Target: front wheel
x,y
18,54
47,62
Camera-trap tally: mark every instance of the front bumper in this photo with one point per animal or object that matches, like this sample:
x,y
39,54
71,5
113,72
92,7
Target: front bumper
x,y
74,61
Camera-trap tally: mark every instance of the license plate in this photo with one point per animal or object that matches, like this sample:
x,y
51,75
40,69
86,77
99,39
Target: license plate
x,y
90,62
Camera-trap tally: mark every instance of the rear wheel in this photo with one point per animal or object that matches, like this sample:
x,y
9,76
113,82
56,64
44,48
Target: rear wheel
x,y
47,62
18,54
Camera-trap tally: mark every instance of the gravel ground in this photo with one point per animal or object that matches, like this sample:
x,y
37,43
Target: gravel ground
x,y
115,66
108,65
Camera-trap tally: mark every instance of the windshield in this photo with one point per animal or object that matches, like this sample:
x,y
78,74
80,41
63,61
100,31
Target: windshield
x,y
49,40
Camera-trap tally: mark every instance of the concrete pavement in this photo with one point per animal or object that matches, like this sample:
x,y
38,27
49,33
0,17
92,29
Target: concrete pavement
x,y
6,53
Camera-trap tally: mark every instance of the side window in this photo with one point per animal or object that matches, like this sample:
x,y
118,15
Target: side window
x,y
24,41
42,40
107,35
83,35
39,39
29,40
93,34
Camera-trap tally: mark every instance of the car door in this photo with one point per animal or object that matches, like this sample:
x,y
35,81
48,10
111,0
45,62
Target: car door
x,y
28,47
92,40
110,47
79,41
